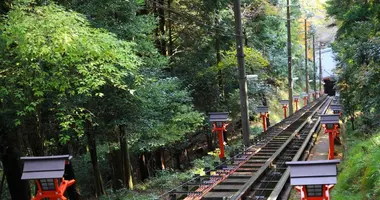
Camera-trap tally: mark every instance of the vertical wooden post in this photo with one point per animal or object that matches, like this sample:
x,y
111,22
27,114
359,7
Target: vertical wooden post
x,y
290,79
242,75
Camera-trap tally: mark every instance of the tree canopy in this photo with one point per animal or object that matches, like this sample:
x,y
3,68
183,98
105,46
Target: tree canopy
x,y
126,86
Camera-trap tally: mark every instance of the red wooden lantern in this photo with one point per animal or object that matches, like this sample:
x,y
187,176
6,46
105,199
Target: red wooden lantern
x,y
47,172
330,124
305,97
263,110
313,179
284,104
219,125
296,100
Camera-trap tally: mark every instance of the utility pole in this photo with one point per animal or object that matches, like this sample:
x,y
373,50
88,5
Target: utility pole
x,y
242,75
306,68
290,78
314,66
320,66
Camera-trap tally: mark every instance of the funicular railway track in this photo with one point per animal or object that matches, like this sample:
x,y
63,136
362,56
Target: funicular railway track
x,y
260,171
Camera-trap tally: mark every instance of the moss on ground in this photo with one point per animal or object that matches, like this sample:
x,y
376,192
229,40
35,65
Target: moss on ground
x,y
359,176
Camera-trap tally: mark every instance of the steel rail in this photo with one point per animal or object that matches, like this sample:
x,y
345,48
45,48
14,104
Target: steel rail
x,y
276,133
269,136
262,140
249,184
284,179
304,138
266,182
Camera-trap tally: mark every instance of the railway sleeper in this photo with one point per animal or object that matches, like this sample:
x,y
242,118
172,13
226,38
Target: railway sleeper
x,y
268,184
260,153
262,193
274,139
247,170
268,150
226,188
235,180
256,161
252,165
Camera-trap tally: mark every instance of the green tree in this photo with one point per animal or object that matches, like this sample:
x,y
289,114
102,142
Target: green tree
x,y
357,45
52,61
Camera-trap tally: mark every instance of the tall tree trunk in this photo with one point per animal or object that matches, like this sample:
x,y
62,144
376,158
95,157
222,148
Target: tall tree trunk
x,y
187,157
245,38
94,159
143,167
19,189
117,172
72,191
218,54
177,156
36,138
210,147
160,31
128,167
170,35
160,159
161,12
225,136
125,158
122,150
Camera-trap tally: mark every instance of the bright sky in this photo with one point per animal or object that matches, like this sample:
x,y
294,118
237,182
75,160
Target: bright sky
x,y
324,34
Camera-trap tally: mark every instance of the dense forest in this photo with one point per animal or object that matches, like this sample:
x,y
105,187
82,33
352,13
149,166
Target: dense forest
x,y
357,46
125,87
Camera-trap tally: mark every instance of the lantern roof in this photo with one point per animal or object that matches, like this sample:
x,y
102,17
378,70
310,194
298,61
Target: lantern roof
x,y
320,172
218,116
329,119
45,167
337,107
284,102
262,109
296,96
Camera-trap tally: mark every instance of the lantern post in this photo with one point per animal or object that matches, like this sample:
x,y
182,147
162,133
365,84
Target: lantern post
x,y
284,104
219,125
296,99
305,97
313,179
263,110
330,124
47,172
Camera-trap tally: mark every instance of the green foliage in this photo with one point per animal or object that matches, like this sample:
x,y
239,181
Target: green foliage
x,y
50,55
121,18
357,46
166,114
254,61
360,176
124,194
83,169
68,61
